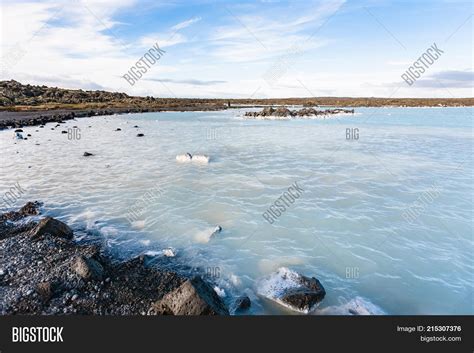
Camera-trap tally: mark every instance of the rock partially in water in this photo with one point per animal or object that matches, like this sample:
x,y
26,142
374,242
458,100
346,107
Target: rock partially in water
x,y
193,297
140,135
30,209
87,154
293,290
216,231
242,303
52,227
283,113
88,268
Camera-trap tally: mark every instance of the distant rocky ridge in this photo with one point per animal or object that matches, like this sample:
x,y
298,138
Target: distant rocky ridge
x,y
17,96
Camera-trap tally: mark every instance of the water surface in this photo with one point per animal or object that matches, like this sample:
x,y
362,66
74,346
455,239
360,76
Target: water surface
x,y
347,228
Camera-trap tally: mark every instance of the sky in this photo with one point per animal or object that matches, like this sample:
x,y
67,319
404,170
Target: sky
x,y
241,49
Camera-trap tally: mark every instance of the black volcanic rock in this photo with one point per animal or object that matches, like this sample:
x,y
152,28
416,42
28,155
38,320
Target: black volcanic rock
x,y
52,227
193,297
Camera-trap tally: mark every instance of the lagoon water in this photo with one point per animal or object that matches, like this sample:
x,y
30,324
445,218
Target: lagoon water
x,y
349,228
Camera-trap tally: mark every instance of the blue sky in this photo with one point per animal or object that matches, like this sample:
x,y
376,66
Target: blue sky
x,y
241,49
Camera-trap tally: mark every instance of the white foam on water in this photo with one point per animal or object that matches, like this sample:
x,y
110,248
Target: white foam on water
x,y
139,224
266,265
204,236
169,252
220,291
356,306
235,280
152,253
145,242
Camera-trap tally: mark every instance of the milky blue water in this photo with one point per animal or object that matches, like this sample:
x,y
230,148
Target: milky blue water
x,y
386,217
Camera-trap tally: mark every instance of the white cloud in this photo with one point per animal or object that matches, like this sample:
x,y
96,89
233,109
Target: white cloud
x,y
76,45
185,24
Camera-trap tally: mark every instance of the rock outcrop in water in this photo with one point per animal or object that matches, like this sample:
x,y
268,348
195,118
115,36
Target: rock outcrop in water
x,y
193,297
271,113
293,290
44,271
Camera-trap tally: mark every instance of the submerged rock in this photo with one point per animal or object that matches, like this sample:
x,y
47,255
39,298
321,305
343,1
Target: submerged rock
x,y
292,290
52,227
193,297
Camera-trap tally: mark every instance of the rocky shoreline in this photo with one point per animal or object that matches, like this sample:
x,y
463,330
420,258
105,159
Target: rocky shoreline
x,y
19,119
43,270
270,113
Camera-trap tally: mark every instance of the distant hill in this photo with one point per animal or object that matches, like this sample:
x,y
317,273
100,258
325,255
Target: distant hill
x,y
16,96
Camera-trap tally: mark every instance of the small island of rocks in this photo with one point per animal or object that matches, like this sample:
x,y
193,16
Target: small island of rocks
x,y
283,113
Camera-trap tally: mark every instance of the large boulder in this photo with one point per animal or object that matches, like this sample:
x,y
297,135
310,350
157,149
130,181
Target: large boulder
x,y
293,290
52,227
88,268
193,297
